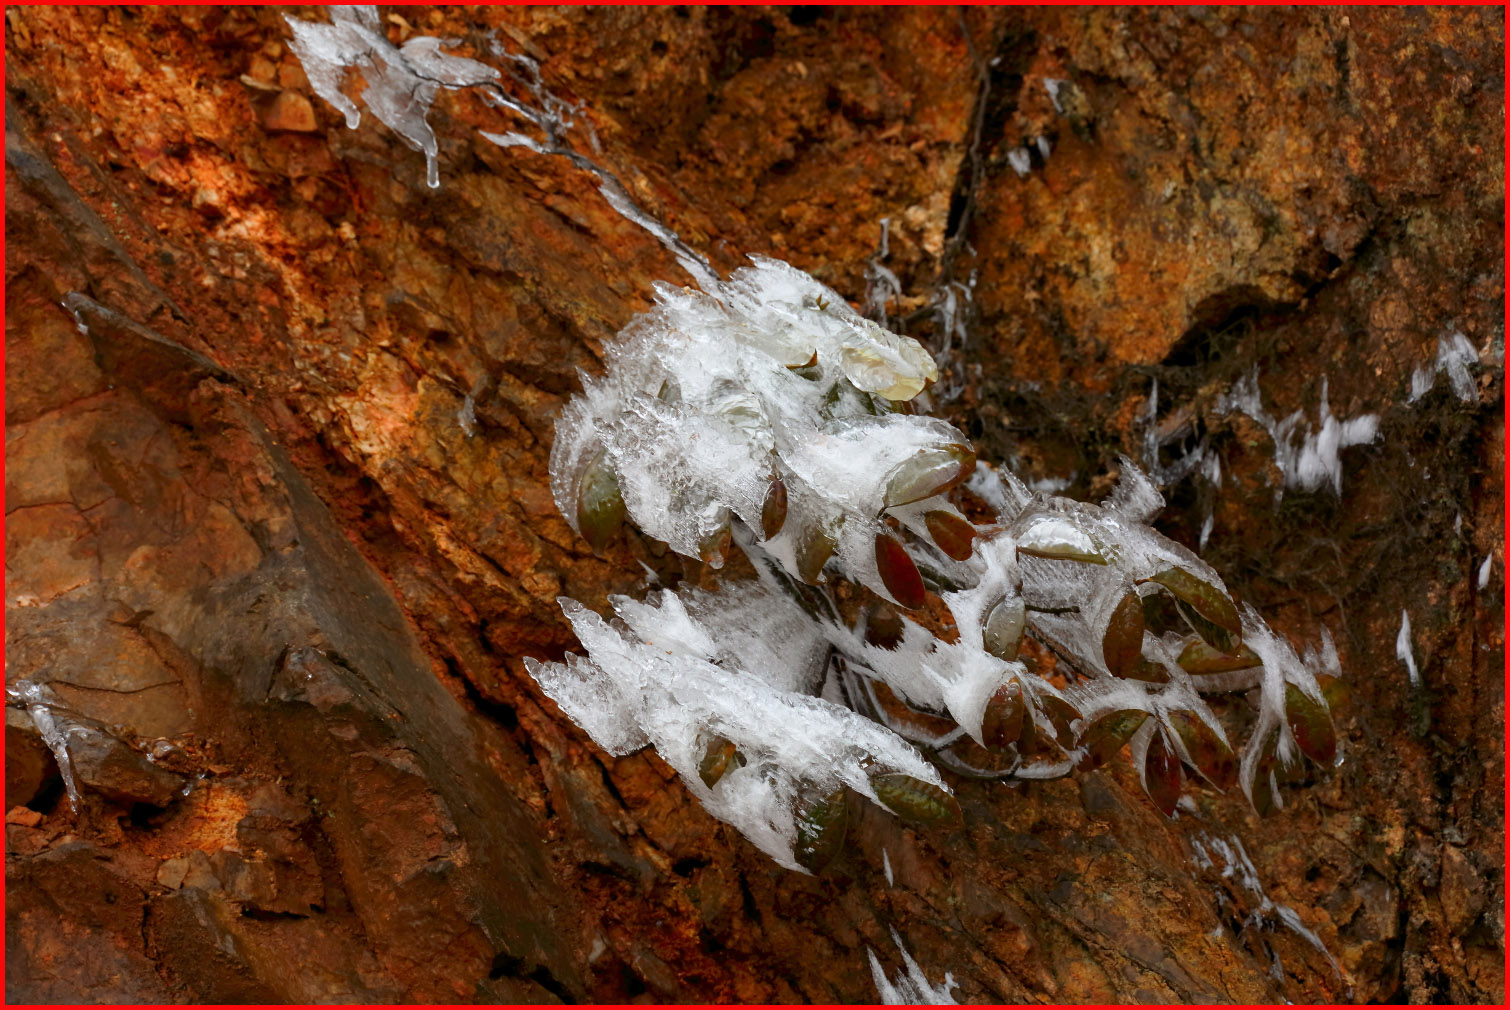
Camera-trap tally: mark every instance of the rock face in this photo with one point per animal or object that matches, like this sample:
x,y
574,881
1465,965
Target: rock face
x,y
279,531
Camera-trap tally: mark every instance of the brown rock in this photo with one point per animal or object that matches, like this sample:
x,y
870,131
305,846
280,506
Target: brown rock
x,y
290,112
1463,892
29,765
111,768
25,816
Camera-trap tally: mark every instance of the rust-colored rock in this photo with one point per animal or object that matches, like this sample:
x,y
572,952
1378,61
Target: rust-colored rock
x,y
280,519
291,112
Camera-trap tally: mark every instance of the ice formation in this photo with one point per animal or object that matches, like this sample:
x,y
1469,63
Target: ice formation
x,y
1403,651
1307,457
400,83
768,416
53,727
1209,851
1454,355
911,987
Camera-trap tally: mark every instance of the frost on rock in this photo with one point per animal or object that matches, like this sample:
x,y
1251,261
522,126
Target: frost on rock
x,y
399,83
1403,649
1229,858
1307,457
1454,355
911,986
768,417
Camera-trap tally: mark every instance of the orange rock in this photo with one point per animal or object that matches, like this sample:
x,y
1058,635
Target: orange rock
x,y
290,112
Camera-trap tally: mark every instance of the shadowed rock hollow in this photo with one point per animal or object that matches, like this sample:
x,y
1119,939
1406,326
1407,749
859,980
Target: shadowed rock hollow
x,y
281,593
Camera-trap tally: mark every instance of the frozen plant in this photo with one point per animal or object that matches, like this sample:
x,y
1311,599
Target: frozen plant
x,y
763,414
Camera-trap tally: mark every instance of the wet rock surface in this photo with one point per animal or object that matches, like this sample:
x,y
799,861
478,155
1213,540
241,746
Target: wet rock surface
x,y
251,540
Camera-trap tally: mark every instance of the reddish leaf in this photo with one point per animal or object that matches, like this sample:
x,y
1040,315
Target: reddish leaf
x,y
1060,714
773,509
1002,724
1146,671
1263,792
1311,725
1210,754
1122,645
954,536
902,718
1107,735
884,627
1161,775
714,547
899,573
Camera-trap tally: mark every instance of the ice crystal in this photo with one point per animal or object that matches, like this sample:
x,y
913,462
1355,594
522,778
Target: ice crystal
x,y
1403,650
1454,355
768,416
1307,457
54,727
399,83
911,986
1229,857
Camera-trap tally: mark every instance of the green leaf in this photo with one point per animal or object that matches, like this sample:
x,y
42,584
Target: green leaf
x,y
1003,628
915,800
928,472
1058,538
1205,607
1198,657
815,546
718,757
1107,735
820,830
600,505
